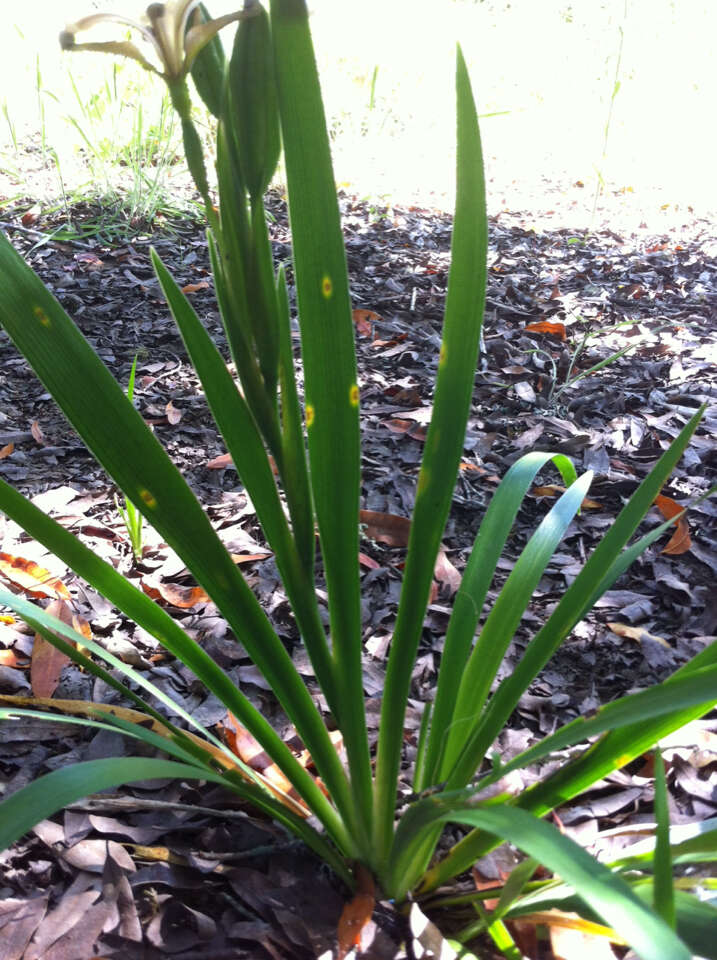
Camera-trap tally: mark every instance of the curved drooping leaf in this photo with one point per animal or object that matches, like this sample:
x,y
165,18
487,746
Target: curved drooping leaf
x,y
606,892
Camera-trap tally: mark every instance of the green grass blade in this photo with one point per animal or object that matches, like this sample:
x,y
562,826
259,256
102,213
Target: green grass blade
x,y
444,443
664,896
245,445
116,434
263,299
45,796
327,342
461,759
469,600
606,892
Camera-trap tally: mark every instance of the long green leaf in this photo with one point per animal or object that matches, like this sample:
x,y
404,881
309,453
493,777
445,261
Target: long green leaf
x,y
615,749
143,611
91,399
461,758
296,472
469,600
330,380
602,569
444,443
231,257
244,444
696,921
45,796
606,892
664,898
257,796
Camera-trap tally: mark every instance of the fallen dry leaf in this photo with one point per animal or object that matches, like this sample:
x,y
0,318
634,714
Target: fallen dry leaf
x,y
545,326
47,661
364,321
446,573
8,658
680,542
636,633
251,752
417,431
32,579
356,913
38,435
195,287
221,462
553,489
6,450
173,593
385,527
173,415
240,558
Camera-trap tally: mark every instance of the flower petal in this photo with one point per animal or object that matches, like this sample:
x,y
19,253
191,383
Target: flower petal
x,y
86,23
116,47
200,35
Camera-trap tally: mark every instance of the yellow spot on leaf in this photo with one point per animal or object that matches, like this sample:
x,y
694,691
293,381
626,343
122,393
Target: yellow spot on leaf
x,y
148,499
354,395
621,761
327,287
422,481
41,316
309,414
442,354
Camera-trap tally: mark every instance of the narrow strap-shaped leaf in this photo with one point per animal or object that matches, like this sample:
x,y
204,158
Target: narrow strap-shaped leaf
x,y
263,299
159,624
327,342
460,759
477,578
295,467
67,640
230,264
601,570
48,794
613,750
92,401
698,688
664,897
444,443
244,444
135,730
606,892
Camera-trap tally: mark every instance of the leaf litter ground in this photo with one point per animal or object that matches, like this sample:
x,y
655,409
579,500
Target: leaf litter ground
x,y
155,870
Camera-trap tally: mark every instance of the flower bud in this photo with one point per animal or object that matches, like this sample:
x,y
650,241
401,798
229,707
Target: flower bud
x,y
252,107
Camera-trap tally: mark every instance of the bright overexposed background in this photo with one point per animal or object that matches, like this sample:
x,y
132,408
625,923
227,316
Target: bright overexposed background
x,y
545,69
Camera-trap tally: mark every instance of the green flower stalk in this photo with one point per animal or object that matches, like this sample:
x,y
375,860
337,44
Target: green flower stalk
x,y
176,45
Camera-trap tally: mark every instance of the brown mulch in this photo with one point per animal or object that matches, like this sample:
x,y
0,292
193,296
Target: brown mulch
x,y
170,870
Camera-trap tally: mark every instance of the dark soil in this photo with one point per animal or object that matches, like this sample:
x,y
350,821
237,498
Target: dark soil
x,y
168,870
